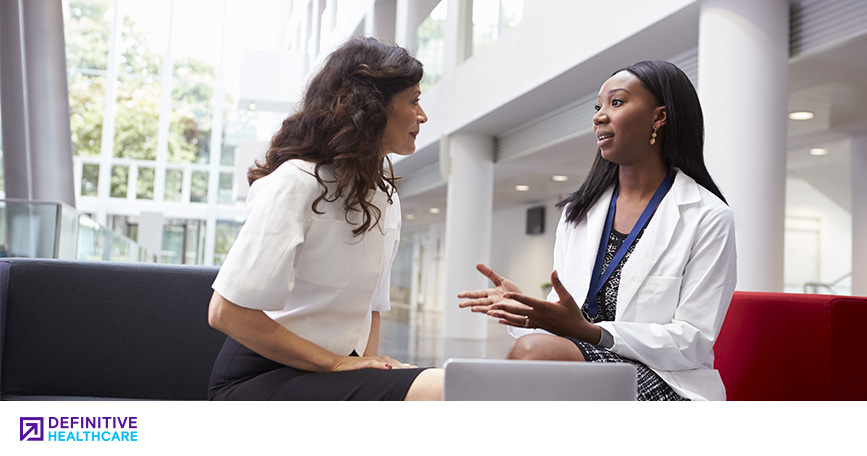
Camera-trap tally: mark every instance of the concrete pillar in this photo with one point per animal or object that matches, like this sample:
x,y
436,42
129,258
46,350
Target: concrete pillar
x,y
16,140
40,164
467,239
859,215
743,53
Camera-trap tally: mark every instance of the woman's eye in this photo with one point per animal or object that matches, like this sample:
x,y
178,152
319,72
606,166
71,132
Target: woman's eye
x,y
616,102
597,108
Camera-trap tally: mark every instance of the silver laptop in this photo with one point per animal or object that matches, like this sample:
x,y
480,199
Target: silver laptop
x,y
512,380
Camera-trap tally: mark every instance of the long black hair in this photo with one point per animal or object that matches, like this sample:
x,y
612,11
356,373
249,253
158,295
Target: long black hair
x,y
341,123
682,143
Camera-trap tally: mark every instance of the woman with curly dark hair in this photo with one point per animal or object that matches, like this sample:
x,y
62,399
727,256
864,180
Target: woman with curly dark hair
x,y
300,292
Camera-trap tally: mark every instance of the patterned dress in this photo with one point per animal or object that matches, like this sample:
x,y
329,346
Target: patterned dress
x,y
651,387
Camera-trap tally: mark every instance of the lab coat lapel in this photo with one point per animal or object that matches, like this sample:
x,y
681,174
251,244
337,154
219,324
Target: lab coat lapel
x,y
649,249
595,224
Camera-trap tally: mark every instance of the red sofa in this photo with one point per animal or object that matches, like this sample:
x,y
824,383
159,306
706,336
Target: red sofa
x,y
785,346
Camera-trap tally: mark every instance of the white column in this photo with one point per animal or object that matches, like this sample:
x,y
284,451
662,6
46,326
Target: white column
x,y
468,239
743,53
858,166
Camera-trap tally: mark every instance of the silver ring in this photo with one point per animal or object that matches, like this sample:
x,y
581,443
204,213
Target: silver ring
x,y
526,321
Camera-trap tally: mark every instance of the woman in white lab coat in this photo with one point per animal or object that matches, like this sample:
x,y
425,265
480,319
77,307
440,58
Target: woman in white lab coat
x,y
650,208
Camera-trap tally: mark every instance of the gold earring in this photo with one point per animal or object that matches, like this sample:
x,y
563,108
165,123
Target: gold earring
x,y
653,137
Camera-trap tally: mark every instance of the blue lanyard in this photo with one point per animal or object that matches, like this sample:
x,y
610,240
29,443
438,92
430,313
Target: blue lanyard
x,y
599,277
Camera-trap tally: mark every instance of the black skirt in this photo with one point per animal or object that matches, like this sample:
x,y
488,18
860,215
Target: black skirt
x,y
242,374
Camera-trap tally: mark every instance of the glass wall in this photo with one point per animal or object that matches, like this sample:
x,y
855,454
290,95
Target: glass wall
x,y
430,45
493,17
154,106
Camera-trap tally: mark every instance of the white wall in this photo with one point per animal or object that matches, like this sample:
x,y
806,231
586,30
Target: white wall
x,y
835,232
553,37
525,259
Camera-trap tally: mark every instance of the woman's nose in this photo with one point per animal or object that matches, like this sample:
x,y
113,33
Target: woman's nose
x,y
599,117
422,116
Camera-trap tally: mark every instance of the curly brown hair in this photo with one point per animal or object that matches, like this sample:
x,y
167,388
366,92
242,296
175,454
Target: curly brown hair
x,y
341,122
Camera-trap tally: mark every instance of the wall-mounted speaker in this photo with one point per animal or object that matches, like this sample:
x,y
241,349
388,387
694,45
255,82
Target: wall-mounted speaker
x,y
536,220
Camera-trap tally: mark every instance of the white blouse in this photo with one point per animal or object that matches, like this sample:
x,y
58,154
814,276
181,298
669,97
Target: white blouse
x,y
307,270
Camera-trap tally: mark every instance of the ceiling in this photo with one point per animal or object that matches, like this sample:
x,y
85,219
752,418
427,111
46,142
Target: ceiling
x,y
831,83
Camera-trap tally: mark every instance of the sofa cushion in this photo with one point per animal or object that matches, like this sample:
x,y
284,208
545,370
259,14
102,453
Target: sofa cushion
x,y
784,346
115,330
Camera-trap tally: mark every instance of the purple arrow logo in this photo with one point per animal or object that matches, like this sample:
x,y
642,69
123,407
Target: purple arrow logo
x,y
31,428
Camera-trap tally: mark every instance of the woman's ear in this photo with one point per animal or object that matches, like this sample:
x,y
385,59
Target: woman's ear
x,y
660,117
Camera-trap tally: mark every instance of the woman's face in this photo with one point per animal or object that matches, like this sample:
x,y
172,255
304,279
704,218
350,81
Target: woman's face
x,y
626,114
405,115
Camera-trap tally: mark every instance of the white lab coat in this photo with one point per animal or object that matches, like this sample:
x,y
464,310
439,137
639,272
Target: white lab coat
x,y
675,288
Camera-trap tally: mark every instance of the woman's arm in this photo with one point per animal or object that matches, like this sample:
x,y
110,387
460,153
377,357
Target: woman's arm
x,y
373,341
258,332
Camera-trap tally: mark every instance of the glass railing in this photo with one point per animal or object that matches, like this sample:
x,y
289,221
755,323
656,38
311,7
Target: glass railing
x,y
42,229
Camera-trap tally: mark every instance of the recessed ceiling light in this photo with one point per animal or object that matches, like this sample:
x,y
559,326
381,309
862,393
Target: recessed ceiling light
x,y
410,216
559,178
801,115
522,188
434,210
252,106
818,151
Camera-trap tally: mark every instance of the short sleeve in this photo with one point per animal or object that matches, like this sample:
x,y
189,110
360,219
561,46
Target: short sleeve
x,y
381,301
259,272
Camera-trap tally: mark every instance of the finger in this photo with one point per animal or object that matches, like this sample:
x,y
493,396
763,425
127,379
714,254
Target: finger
x,y
489,273
476,302
559,288
508,318
527,301
512,308
473,294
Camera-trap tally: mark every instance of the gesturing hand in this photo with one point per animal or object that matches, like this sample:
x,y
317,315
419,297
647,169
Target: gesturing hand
x,y
482,300
563,318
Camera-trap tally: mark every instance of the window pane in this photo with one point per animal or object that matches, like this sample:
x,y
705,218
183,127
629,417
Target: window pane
x,y
191,118
199,187
144,37
137,118
119,181
196,37
173,244
174,185
246,30
430,37
493,17
224,195
89,179
227,231
145,185
86,105
86,27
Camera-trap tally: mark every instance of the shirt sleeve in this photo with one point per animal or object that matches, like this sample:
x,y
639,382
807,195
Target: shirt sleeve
x,y
259,271
381,300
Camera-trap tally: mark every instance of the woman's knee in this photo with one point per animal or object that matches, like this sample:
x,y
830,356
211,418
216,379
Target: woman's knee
x,y
531,346
544,347
428,386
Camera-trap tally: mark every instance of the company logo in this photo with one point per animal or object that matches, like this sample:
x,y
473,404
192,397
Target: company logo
x,y
32,428
79,428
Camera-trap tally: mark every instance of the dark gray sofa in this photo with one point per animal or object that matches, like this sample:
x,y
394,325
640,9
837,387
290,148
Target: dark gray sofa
x,y
93,330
